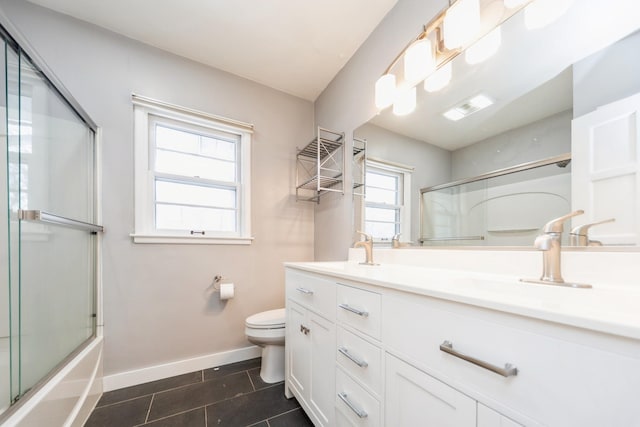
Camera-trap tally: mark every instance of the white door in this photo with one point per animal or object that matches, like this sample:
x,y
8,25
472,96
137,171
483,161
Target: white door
x,y
323,347
605,147
414,398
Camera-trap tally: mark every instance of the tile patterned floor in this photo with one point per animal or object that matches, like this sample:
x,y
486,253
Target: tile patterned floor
x,y
230,395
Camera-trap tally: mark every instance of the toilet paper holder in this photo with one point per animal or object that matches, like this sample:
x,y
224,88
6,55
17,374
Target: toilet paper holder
x,y
225,294
216,282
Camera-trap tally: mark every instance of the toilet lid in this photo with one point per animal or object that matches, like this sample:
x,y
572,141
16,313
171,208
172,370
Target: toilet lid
x,y
267,319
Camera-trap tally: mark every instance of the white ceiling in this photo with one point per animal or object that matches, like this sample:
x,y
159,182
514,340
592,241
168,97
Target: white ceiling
x,y
295,46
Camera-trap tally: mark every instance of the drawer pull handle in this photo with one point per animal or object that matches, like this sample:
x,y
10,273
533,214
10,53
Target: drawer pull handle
x,y
354,310
305,291
507,371
359,412
361,363
304,330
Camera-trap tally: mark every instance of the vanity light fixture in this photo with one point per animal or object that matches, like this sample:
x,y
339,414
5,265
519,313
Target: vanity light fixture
x,y
461,23
471,25
385,90
405,102
419,61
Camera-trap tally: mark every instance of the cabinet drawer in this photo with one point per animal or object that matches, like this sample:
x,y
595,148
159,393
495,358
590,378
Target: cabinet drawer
x,y
360,309
558,382
311,291
355,406
414,398
361,359
487,417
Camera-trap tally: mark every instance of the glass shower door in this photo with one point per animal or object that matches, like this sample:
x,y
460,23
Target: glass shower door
x,y
5,368
56,262
49,241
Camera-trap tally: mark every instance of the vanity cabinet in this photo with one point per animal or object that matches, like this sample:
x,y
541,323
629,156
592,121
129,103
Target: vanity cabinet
x,y
310,343
390,357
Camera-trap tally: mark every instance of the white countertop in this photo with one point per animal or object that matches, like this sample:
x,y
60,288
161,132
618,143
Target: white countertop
x,y
609,310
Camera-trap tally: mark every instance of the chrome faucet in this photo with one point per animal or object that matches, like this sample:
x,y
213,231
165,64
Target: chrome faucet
x,y
395,241
550,243
367,244
579,236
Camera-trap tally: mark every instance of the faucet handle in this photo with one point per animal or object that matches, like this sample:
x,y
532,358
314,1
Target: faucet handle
x,y
367,237
579,236
582,230
557,225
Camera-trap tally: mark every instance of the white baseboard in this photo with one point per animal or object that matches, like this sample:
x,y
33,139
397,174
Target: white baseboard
x,y
166,370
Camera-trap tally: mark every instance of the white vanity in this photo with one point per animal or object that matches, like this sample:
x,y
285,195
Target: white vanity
x,y
401,345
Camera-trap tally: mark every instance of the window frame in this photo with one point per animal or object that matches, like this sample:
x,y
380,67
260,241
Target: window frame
x,y
404,196
147,112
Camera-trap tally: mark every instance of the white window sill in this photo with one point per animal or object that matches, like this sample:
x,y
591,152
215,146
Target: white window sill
x,y
190,240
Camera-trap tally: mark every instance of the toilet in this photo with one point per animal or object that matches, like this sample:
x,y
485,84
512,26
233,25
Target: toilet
x,y
266,329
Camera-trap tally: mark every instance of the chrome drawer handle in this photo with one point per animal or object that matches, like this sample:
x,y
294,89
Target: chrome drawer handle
x,y
305,291
359,412
354,310
361,363
507,371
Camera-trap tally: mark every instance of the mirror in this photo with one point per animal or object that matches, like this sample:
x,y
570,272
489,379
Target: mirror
x,y
540,81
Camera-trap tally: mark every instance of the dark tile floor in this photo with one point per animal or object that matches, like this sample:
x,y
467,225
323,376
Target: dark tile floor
x,y
229,395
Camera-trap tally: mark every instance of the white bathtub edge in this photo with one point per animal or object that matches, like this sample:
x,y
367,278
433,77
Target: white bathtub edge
x,y
61,388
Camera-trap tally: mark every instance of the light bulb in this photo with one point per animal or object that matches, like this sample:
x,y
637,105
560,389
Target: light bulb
x,y
385,91
405,102
418,61
461,23
484,48
439,79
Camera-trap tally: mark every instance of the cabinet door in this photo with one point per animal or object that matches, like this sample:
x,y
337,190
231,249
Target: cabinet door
x,y
322,336
487,417
414,398
298,350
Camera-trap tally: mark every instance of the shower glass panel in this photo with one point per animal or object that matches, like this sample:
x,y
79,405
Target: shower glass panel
x,y
48,269
504,210
5,374
11,197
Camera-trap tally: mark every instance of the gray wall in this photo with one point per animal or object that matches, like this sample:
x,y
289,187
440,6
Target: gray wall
x,y
157,303
347,103
432,164
548,137
607,76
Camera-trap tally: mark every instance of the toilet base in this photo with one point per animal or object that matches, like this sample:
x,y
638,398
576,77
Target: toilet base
x,y
272,369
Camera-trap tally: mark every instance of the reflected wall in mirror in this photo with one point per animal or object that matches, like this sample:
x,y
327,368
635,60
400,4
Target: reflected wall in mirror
x,y
541,83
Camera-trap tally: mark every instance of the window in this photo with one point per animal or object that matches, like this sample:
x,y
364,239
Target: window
x,y
192,176
387,201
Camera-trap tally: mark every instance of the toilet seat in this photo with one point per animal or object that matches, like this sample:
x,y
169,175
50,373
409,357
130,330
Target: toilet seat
x,y
272,319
